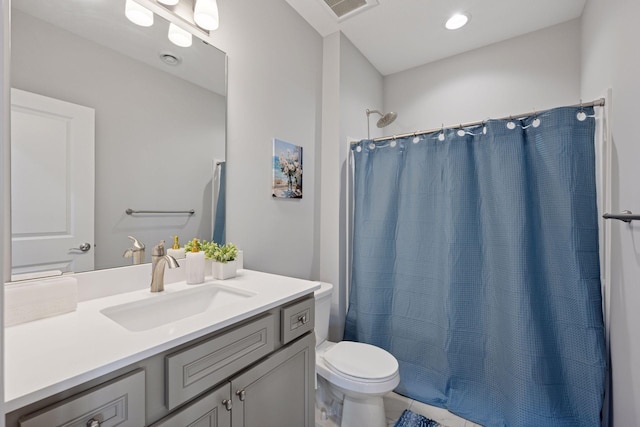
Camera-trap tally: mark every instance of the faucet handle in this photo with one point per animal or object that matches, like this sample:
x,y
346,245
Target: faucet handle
x,y
136,243
158,250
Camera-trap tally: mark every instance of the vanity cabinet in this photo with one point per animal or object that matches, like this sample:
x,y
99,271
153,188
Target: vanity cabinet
x,y
257,373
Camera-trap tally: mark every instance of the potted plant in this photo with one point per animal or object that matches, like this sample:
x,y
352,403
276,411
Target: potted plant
x,y
224,265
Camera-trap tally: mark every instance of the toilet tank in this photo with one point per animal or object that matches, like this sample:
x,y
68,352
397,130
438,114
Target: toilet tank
x,y
323,311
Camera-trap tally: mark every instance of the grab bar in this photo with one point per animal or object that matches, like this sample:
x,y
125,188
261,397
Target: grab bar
x,y
626,216
131,212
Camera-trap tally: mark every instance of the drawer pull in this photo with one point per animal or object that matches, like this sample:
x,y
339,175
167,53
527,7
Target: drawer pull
x,y
93,423
227,404
303,319
240,394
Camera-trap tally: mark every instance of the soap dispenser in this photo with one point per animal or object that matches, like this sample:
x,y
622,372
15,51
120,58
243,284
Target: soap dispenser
x,y
195,264
176,251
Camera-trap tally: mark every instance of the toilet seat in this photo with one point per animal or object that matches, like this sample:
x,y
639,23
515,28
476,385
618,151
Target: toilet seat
x,y
361,362
379,385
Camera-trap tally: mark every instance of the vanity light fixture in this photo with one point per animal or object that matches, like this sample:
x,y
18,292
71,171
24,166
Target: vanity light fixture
x,y
457,21
138,14
178,36
205,14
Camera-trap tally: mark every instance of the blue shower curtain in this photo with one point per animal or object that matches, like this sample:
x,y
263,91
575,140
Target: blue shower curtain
x,y
475,263
219,223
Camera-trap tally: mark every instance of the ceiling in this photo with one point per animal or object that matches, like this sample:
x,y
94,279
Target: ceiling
x,y
103,22
396,35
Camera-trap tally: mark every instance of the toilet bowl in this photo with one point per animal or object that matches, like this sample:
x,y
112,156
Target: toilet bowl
x,y
357,375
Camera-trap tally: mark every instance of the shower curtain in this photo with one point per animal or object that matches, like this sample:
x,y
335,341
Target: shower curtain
x,y
475,263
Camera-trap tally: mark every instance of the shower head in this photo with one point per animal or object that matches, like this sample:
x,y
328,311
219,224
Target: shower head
x,y
387,119
384,120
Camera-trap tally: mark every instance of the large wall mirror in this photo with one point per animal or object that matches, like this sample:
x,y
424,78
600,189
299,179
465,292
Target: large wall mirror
x,y
109,116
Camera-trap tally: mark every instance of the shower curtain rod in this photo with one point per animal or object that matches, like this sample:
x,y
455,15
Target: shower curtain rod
x,y
596,103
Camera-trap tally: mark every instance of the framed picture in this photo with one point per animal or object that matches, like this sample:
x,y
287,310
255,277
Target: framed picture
x,y
287,170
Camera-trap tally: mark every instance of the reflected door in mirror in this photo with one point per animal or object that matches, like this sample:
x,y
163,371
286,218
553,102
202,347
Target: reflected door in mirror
x,y
52,184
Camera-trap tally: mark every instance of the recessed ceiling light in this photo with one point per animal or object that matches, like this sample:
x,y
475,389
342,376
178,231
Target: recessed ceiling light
x,y
457,21
170,58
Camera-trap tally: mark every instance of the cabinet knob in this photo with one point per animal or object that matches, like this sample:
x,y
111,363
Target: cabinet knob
x,y
227,404
93,423
240,394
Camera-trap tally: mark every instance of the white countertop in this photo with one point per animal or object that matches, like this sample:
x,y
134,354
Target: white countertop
x,y
50,355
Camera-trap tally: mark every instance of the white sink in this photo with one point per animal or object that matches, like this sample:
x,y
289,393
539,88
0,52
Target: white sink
x,y
167,307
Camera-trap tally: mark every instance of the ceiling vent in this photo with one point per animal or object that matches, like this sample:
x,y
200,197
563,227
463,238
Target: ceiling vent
x,y
344,9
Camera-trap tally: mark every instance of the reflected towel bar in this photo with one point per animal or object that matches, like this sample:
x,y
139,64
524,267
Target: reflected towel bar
x,y
626,216
131,212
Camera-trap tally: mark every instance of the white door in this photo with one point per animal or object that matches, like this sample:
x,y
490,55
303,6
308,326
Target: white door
x,y
52,184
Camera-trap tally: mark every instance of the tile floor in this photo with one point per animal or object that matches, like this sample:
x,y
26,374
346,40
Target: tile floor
x,y
394,405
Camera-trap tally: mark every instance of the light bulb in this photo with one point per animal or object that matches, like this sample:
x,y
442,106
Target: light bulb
x,y
169,2
205,14
178,36
138,14
457,21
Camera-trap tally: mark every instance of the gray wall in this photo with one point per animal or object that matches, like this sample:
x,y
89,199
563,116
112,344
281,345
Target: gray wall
x,y
275,90
610,59
538,70
350,86
156,155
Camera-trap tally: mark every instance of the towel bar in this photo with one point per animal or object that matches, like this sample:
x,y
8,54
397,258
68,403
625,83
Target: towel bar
x,y
131,212
626,216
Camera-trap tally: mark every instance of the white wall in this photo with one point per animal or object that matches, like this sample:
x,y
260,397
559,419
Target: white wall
x,y
350,86
611,59
142,114
275,90
535,71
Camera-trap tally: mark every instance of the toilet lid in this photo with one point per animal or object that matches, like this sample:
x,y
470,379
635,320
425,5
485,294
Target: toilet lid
x,y
361,360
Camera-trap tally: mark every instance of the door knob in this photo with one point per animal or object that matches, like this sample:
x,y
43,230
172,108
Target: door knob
x,y
240,394
227,404
84,247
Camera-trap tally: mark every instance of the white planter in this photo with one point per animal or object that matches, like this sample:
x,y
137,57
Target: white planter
x,y
223,271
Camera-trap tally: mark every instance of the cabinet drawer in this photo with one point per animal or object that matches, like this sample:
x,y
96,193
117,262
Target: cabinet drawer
x,y
297,319
208,411
120,402
195,369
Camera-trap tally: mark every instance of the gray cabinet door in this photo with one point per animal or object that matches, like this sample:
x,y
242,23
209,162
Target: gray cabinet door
x,y
278,392
208,411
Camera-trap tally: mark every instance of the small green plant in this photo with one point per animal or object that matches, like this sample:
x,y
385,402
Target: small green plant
x,y
223,254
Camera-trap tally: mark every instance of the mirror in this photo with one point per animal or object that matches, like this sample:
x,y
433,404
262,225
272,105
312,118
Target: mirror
x,y
156,114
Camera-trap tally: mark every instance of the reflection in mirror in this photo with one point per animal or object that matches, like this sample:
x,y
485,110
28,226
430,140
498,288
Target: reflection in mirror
x,y
109,116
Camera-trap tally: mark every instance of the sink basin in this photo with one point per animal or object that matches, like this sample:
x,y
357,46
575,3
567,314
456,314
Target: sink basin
x,y
167,307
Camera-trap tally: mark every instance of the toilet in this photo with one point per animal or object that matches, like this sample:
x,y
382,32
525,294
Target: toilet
x,y
352,377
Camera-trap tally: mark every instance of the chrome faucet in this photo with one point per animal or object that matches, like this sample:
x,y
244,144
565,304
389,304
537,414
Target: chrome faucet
x,y
159,259
136,251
